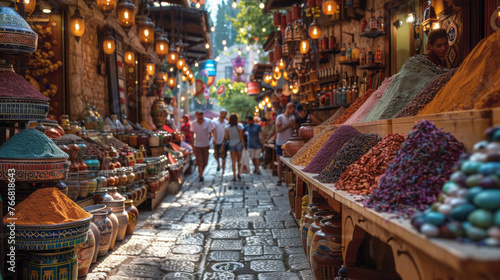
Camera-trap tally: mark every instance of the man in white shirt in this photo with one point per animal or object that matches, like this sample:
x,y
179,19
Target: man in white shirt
x,y
220,126
284,127
201,129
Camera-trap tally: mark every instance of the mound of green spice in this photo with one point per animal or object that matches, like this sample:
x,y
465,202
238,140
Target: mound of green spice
x,y
30,143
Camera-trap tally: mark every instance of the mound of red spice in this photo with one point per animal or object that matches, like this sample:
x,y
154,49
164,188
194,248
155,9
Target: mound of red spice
x,y
13,85
414,178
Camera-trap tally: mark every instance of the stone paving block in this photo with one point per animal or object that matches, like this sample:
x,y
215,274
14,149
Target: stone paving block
x,y
225,234
173,215
191,219
218,276
178,276
297,262
262,232
267,265
252,250
139,271
263,257
235,213
110,262
245,233
259,240
290,242
208,217
294,250
158,249
270,225
273,250
96,276
134,246
233,225
187,249
224,256
191,239
306,275
180,257
180,226
178,266
146,261
278,276
285,233
148,232
204,227
291,224
168,235
226,245
246,277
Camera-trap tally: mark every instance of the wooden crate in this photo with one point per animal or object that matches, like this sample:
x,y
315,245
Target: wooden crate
x,y
466,126
382,127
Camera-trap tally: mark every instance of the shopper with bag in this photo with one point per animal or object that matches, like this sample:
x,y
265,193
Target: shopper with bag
x,y
234,136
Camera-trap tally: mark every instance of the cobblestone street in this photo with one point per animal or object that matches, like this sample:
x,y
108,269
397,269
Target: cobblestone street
x,y
217,229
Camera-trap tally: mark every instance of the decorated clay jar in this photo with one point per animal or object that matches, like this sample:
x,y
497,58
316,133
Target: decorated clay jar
x,y
97,237
121,216
133,215
105,227
306,130
112,217
326,250
308,220
85,253
159,112
294,144
318,216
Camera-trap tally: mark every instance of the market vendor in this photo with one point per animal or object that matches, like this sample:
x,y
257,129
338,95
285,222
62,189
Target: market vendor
x,y
301,116
437,47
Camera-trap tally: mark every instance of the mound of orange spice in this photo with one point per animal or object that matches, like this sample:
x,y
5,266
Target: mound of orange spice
x,y
47,206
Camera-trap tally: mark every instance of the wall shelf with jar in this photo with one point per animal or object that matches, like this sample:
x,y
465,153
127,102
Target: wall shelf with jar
x,y
372,67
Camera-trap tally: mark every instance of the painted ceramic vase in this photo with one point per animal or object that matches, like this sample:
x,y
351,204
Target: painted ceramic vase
x,y
85,254
318,216
294,144
51,265
326,250
97,237
119,211
105,227
307,220
114,220
133,215
159,112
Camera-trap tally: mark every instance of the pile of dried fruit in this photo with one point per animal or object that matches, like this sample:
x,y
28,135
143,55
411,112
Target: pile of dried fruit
x,y
350,152
307,152
414,178
362,177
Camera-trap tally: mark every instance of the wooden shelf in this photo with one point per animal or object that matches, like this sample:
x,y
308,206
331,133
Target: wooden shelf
x,y
351,63
372,34
372,67
330,51
322,82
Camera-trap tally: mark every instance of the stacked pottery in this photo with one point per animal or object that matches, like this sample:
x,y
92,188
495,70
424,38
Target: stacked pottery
x,y
318,216
326,249
308,220
118,208
133,215
105,227
85,252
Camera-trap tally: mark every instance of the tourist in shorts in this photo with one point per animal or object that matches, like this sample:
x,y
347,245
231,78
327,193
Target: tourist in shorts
x,y
201,129
254,135
220,126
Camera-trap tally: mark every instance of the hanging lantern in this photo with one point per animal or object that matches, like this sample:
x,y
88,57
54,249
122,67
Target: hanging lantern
x,y
295,88
314,30
274,83
191,76
146,32
277,75
173,55
77,25
108,43
304,46
184,78
129,57
125,14
164,76
106,6
276,69
181,62
161,43
150,68
330,7
29,6
171,82
185,69
281,64
285,75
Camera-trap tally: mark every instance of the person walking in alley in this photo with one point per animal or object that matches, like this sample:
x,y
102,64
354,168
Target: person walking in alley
x,y
220,126
234,135
201,129
284,127
254,143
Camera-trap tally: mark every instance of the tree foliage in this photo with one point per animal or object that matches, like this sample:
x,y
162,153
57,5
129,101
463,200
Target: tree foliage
x,y
252,23
224,29
235,99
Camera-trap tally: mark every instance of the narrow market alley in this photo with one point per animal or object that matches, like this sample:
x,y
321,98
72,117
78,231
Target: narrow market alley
x,y
217,229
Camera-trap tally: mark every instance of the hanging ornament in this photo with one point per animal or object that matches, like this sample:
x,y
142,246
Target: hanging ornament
x,y
77,25
125,14
129,57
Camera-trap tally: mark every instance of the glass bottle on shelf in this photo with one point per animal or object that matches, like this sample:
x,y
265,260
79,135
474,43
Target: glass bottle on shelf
x,y
348,92
364,24
356,52
354,89
333,94
339,95
362,57
373,22
325,42
379,56
343,53
369,57
348,53
344,90
363,85
332,44
380,21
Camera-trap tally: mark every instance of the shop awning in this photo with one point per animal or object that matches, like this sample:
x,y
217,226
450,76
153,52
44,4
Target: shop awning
x,y
188,26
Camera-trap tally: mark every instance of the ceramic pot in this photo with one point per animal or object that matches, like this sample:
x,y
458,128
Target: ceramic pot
x,y
82,166
318,216
73,152
326,250
133,215
294,144
51,265
85,253
97,237
159,112
291,198
92,183
112,217
306,130
83,179
307,220
16,34
105,227
119,211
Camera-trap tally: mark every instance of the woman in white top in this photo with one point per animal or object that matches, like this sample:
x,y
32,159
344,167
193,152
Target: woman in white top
x,y
234,135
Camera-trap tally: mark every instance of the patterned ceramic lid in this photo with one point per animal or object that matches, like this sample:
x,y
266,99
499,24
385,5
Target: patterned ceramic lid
x,y
15,33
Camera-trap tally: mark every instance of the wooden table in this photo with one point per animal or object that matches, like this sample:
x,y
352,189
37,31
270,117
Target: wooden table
x,y
270,149
415,255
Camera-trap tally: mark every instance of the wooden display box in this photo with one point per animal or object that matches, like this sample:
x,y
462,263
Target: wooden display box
x,y
381,128
467,126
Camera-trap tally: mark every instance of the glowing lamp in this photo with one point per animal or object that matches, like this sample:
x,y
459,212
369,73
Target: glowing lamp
x,y
29,6
150,68
77,25
173,55
125,14
181,62
314,30
171,82
304,46
108,43
281,64
129,57
106,6
274,83
146,32
329,7
277,75
161,44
